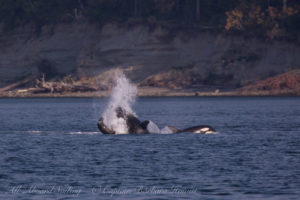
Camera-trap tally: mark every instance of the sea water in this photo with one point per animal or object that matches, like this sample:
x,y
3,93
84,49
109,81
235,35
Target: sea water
x,y
52,149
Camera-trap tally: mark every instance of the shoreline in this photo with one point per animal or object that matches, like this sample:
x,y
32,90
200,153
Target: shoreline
x,y
161,92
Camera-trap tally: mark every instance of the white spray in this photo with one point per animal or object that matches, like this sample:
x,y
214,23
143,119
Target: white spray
x,y
123,95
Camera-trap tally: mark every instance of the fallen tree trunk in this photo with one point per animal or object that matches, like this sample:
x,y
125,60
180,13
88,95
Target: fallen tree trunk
x,y
18,84
38,90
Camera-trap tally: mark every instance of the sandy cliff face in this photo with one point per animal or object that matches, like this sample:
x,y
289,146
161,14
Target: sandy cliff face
x,y
284,84
198,59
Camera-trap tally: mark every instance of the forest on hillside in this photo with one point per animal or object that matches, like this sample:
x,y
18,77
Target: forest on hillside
x,y
272,19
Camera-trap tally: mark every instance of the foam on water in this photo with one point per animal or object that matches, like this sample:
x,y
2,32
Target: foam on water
x,y
83,133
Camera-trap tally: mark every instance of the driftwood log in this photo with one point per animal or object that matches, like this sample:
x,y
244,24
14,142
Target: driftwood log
x,y
18,84
43,86
66,85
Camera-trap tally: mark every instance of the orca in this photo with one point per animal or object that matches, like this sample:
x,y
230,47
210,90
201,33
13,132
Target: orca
x,y
195,129
103,128
135,126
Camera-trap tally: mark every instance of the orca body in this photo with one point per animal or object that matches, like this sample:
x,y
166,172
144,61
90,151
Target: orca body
x,y
103,128
195,129
135,126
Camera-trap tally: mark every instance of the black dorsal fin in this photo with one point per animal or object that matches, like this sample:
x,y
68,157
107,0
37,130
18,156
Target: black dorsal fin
x,y
144,124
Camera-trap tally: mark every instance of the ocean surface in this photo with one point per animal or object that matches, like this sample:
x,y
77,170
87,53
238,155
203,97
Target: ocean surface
x,y
51,149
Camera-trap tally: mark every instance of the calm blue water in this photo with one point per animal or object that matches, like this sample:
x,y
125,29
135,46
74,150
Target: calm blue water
x,y
51,149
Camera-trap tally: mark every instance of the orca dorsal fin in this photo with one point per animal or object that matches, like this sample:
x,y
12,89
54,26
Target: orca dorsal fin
x,y
144,124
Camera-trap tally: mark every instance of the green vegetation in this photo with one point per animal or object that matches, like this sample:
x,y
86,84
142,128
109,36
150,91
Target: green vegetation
x,y
263,18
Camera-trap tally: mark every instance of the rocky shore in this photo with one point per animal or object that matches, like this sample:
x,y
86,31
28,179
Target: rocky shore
x,y
286,84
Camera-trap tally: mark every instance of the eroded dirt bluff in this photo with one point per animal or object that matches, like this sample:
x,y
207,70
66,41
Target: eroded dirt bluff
x,y
284,84
155,57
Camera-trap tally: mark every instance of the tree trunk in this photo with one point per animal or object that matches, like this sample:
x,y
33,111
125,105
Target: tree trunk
x,y
284,5
17,84
135,8
197,10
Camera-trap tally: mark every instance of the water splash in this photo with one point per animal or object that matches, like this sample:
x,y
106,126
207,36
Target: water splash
x,y
123,95
152,127
166,130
